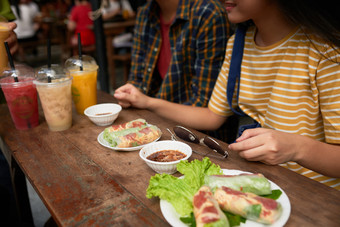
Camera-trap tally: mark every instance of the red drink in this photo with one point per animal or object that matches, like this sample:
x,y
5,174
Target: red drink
x,y
22,101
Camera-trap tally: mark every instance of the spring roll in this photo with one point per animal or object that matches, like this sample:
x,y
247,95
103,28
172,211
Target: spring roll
x,y
248,205
254,183
132,137
131,124
206,209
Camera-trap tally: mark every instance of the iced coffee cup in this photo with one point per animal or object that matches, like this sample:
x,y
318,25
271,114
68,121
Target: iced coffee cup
x,y
21,96
55,97
84,83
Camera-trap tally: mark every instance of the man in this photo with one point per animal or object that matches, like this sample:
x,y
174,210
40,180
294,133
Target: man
x,y
178,50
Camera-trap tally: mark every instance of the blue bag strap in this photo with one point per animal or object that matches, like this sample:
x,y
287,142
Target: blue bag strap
x,y
235,68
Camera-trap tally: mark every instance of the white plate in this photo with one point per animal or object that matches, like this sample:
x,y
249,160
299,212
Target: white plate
x,y
173,217
103,142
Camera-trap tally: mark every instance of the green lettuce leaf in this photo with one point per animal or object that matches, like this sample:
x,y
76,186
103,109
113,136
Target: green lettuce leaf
x,y
234,219
189,220
253,211
276,193
180,191
195,171
172,189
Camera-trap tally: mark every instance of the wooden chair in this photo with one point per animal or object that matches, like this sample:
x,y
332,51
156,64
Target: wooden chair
x,y
125,58
111,30
54,29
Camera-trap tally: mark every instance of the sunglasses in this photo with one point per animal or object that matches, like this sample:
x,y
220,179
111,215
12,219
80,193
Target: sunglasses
x,y
189,136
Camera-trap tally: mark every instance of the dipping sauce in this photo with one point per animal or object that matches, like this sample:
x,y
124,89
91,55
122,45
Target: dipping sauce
x,y
100,114
166,156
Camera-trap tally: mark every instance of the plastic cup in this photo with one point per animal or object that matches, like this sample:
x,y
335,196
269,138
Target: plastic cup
x,y
21,97
84,84
4,33
55,97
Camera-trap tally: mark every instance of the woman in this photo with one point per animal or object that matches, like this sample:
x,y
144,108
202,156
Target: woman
x,y
289,84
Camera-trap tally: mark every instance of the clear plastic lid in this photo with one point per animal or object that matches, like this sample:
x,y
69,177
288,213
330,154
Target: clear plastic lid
x,y
85,63
22,74
52,75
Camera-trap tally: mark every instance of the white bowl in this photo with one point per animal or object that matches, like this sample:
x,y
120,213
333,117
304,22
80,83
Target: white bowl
x,y
103,114
164,167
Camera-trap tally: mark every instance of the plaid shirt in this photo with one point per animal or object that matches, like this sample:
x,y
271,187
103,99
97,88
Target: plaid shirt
x,y
198,38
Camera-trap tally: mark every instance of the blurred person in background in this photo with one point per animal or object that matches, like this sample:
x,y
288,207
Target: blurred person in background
x,y
114,10
27,15
80,22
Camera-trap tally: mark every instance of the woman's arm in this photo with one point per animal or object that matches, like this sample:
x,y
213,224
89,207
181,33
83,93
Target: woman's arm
x,y
196,117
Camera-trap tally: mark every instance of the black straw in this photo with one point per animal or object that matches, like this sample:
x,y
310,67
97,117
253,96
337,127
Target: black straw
x,y
79,51
48,59
10,59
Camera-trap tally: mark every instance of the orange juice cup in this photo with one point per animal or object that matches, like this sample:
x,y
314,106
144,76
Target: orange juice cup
x,y
4,33
84,83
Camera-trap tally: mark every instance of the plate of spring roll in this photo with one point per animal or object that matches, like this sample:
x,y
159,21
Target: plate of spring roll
x,y
129,136
237,192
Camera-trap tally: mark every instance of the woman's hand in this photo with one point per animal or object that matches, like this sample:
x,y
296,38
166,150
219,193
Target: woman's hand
x,y
274,147
129,96
267,145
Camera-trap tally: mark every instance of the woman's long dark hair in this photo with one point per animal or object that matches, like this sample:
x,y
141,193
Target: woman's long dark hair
x,y
320,17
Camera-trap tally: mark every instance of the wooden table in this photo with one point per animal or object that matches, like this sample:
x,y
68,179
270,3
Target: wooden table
x,y
112,29
85,184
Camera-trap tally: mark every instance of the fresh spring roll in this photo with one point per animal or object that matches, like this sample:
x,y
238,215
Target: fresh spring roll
x,y
248,205
132,137
206,209
254,183
131,124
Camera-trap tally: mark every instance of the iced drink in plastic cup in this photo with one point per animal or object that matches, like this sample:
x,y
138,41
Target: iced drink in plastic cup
x,y
55,97
21,97
4,33
84,83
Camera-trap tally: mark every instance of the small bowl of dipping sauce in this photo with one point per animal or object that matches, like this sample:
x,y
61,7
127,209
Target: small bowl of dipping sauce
x,y
103,114
163,156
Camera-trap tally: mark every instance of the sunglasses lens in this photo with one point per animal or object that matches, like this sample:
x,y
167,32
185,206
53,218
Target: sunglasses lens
x,y
211,143
186,134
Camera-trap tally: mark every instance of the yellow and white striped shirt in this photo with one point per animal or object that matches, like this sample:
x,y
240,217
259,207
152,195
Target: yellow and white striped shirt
x,y
289,86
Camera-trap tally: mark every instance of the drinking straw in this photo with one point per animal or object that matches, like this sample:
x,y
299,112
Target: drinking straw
x,y
10,59
80,54
49,59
